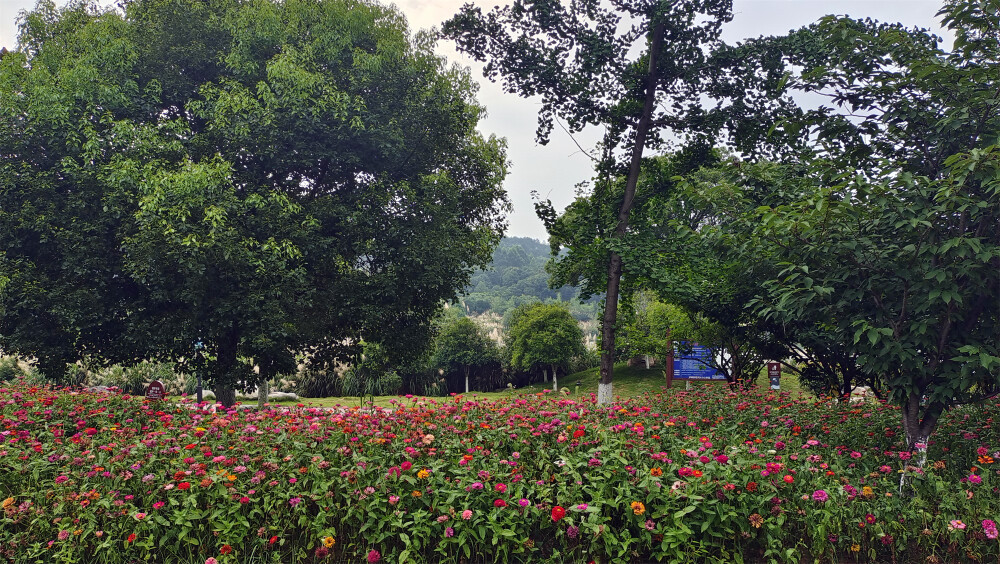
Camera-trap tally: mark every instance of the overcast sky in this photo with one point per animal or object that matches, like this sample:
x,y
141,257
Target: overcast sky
x,y
555,169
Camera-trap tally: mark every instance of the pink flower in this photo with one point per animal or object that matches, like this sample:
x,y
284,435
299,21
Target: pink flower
x,y
211,560
990,528
956,524
158,504
500,487
499,503
406,465
523,502
374,556
449,532
393,499
63,535
467,514
820,496
294,501
975,479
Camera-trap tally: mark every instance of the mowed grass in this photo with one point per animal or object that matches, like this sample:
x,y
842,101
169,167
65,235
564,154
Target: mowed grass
x,y
628,381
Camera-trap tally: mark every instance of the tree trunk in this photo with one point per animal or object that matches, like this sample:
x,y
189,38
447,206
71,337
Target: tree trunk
x,y
226,370
545,375
604,388
466,379
555,379
263,383
918,430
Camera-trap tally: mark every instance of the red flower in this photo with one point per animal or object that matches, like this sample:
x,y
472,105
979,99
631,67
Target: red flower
x,y
499,503
183,486
788,479
558,513
273,540
226,549
578,433
131,538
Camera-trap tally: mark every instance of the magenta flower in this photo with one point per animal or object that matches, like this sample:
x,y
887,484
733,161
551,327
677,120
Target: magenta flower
x,y
449,532
820,496
990,528
374,556
294,501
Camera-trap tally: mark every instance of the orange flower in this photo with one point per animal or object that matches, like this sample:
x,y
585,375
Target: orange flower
x,y
637,507
756,520
656,472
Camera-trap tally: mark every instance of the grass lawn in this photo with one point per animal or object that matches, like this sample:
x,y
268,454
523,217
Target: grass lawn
x,y
628,381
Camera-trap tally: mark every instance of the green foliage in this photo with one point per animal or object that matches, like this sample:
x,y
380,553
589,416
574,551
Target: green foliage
x,y
543,336
518,276
900,262
463,346
266,178
10,369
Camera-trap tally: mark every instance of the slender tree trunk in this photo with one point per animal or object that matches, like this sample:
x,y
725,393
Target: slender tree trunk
x,y
545,375
466,379
263,384
918,430
604,388
555,379
226,367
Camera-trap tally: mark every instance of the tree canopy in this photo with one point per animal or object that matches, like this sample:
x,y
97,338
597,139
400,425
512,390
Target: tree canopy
x,y
265,178
543,336
463,345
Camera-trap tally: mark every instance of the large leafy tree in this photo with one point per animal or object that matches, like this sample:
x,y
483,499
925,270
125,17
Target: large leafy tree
x,y
895,244
261,177
463,345
631,66
544,336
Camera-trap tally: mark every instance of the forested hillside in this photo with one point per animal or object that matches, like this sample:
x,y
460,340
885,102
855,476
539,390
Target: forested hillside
x,y
518,276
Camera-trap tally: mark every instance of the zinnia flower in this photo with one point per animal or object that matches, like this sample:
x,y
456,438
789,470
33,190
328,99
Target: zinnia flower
x,y
637,507
558,513
990,528
329,542
756,520
374,556
956,524
820,496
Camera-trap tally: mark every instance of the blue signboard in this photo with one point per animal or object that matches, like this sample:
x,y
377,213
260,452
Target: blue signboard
x,y
692,365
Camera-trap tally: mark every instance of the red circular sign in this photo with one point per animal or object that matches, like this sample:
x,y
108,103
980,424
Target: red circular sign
x,y
156,391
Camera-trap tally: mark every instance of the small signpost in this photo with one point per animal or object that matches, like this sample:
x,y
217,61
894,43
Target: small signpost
x,y
774,374
156,391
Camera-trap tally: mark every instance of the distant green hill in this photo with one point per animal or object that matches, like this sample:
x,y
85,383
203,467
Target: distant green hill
x,y
518,276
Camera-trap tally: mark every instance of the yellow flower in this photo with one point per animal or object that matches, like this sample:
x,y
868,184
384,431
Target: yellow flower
x,y
416,493
867,491
855,547
637,507
756,520
329,542
423,474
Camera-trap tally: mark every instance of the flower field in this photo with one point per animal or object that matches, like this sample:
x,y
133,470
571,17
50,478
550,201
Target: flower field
x,y
706,476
